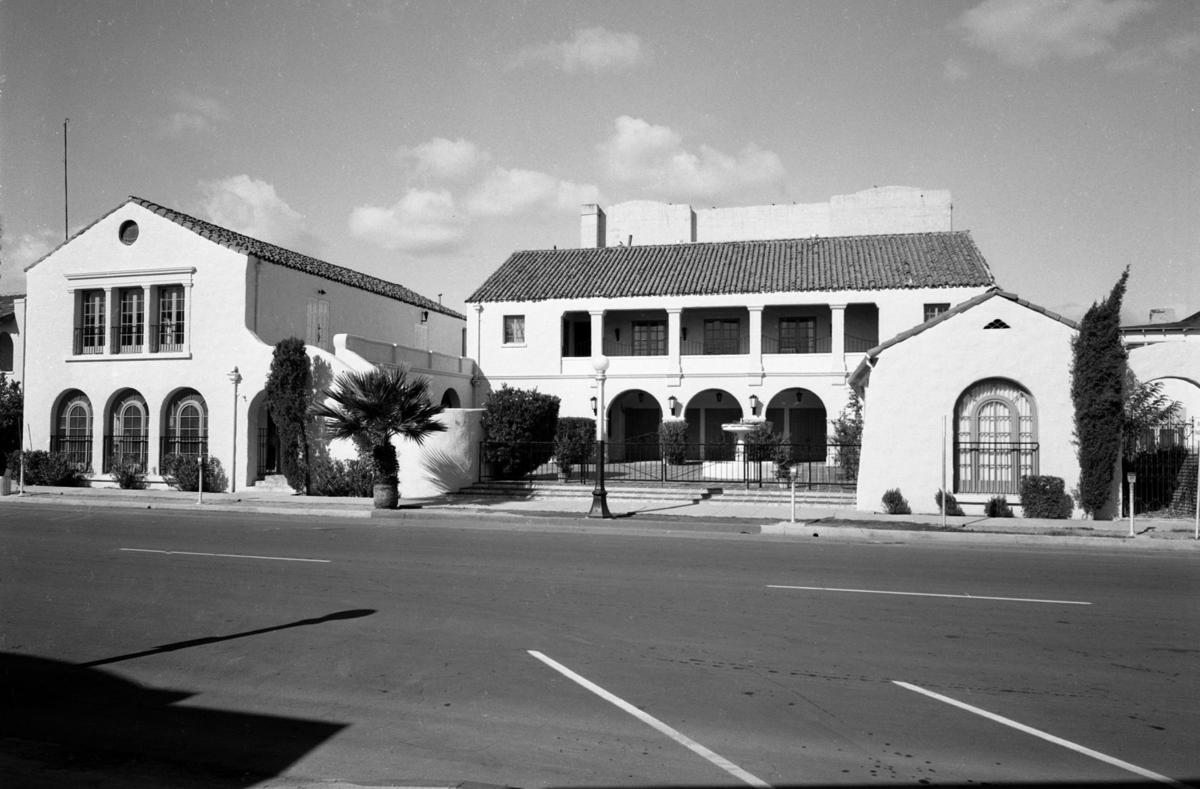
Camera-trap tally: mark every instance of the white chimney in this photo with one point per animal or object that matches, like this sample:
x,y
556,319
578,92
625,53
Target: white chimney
x,y
1162,315
591,226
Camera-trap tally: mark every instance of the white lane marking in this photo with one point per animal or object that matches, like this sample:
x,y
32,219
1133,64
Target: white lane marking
x,y
682,739
225,555
929,594
1133,768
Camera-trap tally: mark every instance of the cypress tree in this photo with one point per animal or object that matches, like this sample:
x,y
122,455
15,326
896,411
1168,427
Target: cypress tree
x,y
1097,378
288,394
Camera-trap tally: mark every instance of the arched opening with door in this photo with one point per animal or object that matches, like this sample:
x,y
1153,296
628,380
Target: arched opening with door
x,y
633,419
995,440
262,439
801,420
73,429
705,412
127,441
6,352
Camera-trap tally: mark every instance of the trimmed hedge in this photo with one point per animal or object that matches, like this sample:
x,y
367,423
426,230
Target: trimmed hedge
x,y
952,507
672,437
1044,496
894,503
574,442
997,507
183,472
46,468
519,427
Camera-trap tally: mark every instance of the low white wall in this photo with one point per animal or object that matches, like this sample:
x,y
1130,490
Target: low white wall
x,y
443,462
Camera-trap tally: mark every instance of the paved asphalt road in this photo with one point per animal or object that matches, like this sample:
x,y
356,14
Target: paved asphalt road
x,y
380,652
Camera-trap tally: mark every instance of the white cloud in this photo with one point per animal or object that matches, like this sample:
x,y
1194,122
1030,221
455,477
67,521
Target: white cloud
x,y
1159,56
507,192
252,207
443,160
420,221
19,252
654,160
1026,32
593,49
194,115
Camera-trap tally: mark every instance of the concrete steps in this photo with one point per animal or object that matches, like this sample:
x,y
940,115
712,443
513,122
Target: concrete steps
x,y
654,492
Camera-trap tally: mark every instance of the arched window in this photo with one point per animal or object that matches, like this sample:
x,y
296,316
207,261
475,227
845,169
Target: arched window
x,y
6,352
450,399
996,438
73,430
187,425
127,443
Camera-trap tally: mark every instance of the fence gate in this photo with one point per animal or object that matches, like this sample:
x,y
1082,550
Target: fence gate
x,y
1165,460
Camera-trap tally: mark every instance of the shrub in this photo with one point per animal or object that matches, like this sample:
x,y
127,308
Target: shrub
x,y
952,507
997,507
183,472
47,468
12,403
847,434
672,437
519,427
338,478
289,392
761,443
781,455
127,473
574,441
1044,497
895,504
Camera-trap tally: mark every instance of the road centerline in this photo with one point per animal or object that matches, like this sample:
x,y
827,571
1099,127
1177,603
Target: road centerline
x,y
225,555
929,594
655,723
1081,749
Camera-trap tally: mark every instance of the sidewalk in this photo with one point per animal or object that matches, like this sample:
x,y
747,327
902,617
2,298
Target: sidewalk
x,y
765,517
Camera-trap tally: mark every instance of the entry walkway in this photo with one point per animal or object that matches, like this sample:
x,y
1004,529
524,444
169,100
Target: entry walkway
x,y
671,510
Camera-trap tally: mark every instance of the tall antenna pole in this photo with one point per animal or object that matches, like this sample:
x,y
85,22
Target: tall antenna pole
x,y
66,204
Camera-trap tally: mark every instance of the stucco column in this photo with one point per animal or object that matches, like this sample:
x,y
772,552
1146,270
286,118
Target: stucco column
x,y
837,312
756,314
146,318
674,367
597,332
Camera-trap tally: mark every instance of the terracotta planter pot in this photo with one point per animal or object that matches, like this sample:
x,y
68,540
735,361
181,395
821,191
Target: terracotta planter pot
x,y
387,495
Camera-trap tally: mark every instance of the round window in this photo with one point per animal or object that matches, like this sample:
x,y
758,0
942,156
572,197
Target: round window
x,y
128,232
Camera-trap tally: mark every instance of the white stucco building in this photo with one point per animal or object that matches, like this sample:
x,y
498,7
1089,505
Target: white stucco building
x,y
980,393
135,325
1168,351
715,316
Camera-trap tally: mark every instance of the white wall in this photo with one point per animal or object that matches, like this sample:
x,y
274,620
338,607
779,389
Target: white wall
x,y
917,382
443,462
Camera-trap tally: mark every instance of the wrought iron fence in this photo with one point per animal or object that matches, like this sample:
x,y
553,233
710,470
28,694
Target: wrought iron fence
x,y
89,339
1165,461
186,447
812,465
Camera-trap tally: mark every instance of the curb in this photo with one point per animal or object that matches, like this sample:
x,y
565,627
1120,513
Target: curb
x,y
833,531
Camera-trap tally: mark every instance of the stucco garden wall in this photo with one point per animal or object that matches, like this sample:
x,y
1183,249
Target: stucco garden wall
x,y
443,462
916,383
1176,364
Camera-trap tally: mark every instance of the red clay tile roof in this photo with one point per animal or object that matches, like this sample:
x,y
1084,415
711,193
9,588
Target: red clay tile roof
x,y
880,262
280,256
6,304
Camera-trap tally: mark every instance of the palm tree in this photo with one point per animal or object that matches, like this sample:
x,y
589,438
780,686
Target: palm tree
x,y
373,407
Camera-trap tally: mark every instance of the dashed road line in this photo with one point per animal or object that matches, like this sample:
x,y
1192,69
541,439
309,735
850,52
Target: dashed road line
x,y
930,594
1115,762
650,720
225,555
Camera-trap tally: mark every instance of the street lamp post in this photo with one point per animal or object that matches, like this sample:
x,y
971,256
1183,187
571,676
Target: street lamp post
x,y
236,378
599,494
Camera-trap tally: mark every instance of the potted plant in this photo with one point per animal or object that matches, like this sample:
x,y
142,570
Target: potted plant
x,y
372,408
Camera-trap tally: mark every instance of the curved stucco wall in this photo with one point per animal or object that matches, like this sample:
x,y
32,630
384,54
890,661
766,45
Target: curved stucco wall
x,y
1177,365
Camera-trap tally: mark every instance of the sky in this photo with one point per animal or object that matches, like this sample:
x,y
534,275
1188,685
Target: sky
x,y
423,142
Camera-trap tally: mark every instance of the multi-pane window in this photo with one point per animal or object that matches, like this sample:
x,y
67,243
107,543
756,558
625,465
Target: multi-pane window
x,y
132,327
73,437
721,335
996,443
187,426
170,318
514,329
649,338
90,333
797,335
127,444
934,310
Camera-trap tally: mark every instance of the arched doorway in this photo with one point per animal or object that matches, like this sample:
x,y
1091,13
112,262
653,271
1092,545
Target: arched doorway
x,y
704,414
633,419
800,418
262,439
450,399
